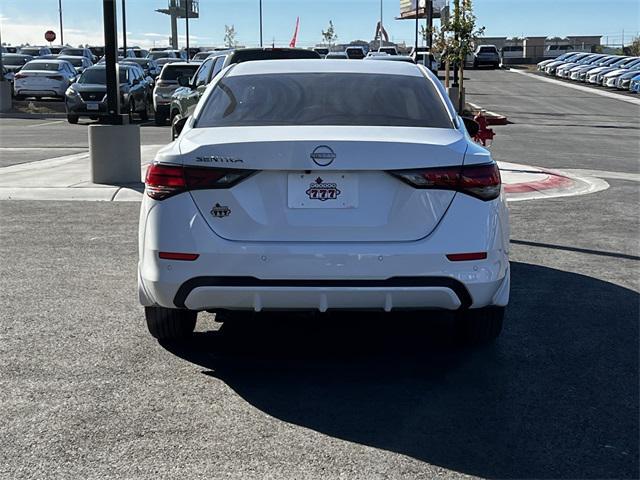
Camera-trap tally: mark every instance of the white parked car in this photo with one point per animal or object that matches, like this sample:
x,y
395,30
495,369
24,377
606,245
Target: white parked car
x,y
306,185
44,78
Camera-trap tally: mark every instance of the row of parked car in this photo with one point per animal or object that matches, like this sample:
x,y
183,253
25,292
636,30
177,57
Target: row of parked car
x,y
612,71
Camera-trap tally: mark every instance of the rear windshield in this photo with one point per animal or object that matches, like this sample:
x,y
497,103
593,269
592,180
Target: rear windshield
x,y
12,59
249,55
52,67
156,55
487,50
99,76
75,61
30,51
324,99
173,72
75,52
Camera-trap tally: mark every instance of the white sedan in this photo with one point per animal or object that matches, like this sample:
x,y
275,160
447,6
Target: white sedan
x,y
319,186
44,78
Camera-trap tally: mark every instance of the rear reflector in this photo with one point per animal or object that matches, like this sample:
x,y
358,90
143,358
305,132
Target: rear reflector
x,y
465,257
189,257
480,181
164,181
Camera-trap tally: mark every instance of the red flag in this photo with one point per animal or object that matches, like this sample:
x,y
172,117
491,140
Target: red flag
x,y
292,44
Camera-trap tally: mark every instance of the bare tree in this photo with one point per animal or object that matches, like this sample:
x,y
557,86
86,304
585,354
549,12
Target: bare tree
x,y
329,35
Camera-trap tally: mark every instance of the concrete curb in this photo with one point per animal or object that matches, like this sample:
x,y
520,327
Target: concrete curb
x,y
493,118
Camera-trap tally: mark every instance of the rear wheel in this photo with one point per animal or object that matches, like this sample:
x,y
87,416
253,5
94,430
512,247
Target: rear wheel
x,y
479,326
144,114
72,119
169,323
160,119
132,111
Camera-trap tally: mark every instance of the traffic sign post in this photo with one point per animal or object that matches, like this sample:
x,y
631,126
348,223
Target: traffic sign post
x,y
50,36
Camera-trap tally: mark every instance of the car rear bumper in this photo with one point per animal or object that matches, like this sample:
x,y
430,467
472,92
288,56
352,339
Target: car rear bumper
x,y
321,276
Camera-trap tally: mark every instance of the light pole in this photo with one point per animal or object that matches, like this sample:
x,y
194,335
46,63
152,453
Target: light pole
x,y
124,30
60,13
186,11
381,28
260,23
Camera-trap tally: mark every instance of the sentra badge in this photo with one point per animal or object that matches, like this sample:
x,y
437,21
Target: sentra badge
x,y
319,190
220,211
218,159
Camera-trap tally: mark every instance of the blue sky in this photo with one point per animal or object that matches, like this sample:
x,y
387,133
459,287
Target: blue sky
x,y
23,21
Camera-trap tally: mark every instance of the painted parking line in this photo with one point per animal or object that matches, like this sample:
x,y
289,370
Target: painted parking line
x,y
602,93
44,124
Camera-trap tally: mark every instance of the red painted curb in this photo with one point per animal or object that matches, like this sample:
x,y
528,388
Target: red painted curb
x,y
553,181
497,120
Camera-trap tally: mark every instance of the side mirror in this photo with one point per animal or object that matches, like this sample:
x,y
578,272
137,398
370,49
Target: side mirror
x,y
471,125
184,81
178,126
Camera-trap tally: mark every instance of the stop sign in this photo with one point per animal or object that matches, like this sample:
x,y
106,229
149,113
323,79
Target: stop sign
x,y
49,35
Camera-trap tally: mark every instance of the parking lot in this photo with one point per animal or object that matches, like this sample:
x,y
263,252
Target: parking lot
x,y
87,393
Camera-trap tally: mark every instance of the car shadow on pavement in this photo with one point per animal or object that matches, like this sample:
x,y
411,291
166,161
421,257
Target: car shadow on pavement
x,y
555,397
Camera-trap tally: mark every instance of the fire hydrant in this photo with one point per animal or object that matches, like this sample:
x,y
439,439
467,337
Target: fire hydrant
x,y
485,135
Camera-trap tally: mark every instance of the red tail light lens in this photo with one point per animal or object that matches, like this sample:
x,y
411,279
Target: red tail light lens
x,y
480,181
164,181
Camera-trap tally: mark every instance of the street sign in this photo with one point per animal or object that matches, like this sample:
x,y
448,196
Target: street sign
x,y
50,35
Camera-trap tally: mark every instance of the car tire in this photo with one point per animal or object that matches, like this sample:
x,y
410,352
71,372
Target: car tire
x,y
19,98
73,119
159,119
479,326
144,114
170,323
132,111
174,119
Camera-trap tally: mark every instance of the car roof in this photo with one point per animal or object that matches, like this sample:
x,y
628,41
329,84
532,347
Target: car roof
x,y
48,60
326,66
182,64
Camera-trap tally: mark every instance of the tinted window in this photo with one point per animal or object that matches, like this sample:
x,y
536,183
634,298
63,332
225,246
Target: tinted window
x,y
30,51
249,55
218,66
75,52
487,50
324,99
173,72
202,77
76,61
156,55
12,59
49,66
99,76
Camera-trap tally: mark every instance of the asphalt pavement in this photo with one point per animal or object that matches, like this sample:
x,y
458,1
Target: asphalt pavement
x,y
87,393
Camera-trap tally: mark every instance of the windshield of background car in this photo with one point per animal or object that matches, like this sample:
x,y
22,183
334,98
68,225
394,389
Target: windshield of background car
x,y
249,55
51,67
30,51
73,52
13,59
75,61
157,55
201,55
324,99
172,73
99,76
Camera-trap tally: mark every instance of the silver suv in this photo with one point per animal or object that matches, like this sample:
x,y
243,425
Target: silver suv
x,y
486,55
166,84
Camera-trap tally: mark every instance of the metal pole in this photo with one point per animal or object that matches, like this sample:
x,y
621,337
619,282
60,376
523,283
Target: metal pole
x,y
260,23
430,26
381,24
60,13
415,49
2,79
186,8
111,65
456,18
124,29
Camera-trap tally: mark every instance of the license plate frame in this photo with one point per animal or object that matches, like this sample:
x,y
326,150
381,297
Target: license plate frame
x,y
322,190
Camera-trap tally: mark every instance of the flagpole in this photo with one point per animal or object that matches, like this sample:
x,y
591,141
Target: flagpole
x,y
381,24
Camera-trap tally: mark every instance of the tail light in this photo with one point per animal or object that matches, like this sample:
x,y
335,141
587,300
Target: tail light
x,y
18,76
164,181
480,181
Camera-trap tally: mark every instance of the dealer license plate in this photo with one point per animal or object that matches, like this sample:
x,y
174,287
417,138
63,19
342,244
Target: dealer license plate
x,y
322,190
